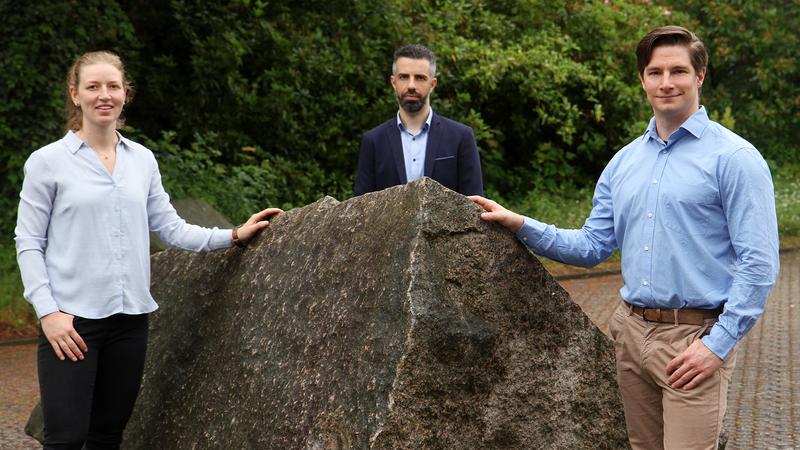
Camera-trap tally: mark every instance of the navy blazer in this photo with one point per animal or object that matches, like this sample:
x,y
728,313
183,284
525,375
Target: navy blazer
x,y
451,157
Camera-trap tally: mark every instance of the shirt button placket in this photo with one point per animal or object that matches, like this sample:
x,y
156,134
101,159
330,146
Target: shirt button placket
x,y
117,232
649,232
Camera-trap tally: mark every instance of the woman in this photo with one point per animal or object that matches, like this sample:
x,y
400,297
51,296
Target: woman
x,y
87,203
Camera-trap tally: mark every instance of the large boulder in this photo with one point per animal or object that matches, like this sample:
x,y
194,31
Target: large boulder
x,y
397,319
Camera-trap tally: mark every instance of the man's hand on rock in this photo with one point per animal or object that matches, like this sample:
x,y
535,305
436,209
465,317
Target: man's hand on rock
x,y
496,213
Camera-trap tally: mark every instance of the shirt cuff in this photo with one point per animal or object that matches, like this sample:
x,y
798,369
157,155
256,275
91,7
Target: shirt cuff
x,y
719,342
44,307
531,232
220,239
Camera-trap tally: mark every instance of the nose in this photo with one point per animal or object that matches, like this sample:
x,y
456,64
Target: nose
x,y
104,93
666,81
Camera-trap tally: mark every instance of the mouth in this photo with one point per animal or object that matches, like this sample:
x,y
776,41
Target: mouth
x,y
667,97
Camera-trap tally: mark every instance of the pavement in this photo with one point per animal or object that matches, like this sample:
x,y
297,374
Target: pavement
x,y
763,399
19,392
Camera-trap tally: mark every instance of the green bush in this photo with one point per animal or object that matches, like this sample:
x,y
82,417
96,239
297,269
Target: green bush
x,y
242,189
14,310
10,282
282,87
754,68
549,87
787,200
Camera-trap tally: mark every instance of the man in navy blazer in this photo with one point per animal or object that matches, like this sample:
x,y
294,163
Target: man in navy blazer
x,y
418,142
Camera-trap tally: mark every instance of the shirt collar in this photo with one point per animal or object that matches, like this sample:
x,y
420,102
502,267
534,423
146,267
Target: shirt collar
x,y
125,141
424,127
74,143
695,124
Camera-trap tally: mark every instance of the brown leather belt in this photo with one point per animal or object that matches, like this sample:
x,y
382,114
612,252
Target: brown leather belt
x,y
686,316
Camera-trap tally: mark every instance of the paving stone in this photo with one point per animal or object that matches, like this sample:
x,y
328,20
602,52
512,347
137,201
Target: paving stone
x,y
19,391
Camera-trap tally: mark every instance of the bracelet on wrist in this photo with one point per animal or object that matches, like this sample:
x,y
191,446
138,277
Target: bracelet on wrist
x,y
236,241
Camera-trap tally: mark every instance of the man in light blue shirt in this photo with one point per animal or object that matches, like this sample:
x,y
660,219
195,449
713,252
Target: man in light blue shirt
x,y
691,207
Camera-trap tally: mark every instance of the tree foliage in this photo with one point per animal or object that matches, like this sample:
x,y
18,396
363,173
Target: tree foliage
x,y
754,68
253,102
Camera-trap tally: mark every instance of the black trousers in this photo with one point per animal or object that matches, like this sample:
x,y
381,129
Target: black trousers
x,y
89,402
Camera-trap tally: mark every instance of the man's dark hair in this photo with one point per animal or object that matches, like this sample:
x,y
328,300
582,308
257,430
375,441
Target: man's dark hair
x,y
671,35
415,51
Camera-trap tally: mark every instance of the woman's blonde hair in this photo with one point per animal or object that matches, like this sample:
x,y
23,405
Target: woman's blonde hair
x,y
74,114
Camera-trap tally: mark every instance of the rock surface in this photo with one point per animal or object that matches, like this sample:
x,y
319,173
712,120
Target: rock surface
x,y
396,319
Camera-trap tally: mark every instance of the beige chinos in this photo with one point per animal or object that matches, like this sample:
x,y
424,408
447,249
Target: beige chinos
x,y
658,416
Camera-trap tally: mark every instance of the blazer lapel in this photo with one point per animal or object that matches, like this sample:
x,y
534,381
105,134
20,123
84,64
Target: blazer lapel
x,y
434,135
396,147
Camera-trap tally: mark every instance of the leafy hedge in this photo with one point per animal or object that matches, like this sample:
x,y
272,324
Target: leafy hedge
x,y
273,97
236,190
754,68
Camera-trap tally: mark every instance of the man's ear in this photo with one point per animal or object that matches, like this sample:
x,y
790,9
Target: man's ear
x,y
433,82
701,75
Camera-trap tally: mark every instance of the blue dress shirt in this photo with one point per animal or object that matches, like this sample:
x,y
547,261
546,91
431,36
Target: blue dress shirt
x,y
414,147
82,232
695,220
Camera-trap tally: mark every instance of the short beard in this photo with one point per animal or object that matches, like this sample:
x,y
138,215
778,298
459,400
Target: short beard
x,y
412,106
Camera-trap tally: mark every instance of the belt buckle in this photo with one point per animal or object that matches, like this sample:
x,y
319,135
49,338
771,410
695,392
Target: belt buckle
x,y
652,314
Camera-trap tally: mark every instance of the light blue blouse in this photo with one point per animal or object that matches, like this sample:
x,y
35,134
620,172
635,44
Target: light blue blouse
x,y
82,233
